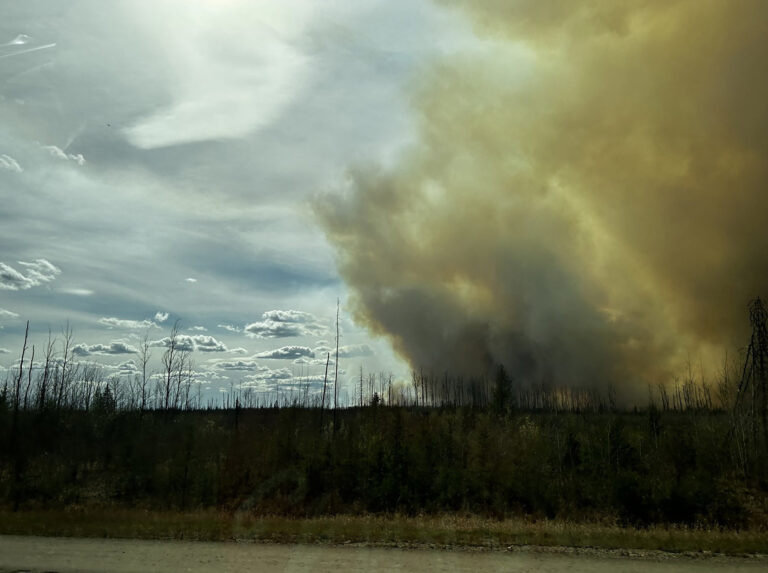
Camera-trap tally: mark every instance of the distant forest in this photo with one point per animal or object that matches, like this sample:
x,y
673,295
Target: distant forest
x,y
694,454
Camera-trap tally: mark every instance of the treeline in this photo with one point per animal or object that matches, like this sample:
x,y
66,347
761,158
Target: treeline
x,y
636,467
69,435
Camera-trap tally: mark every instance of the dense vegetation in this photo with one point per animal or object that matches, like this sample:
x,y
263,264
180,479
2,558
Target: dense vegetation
x,y
694,455
636,467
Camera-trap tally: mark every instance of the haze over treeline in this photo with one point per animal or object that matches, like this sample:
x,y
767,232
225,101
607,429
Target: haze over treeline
x,y
586,199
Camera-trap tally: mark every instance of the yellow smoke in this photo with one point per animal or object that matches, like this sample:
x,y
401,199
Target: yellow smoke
x,y
587,202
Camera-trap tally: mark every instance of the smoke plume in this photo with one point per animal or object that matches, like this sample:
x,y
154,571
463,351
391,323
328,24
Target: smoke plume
x,y
587,200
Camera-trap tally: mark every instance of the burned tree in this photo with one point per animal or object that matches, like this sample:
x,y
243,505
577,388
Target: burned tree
x,y
751,409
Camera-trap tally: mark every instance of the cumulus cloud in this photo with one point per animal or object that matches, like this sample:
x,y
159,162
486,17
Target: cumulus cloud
x,y
238,350
7,314
190,280
9,163
113,322
32,274
4,351
230,327
287,353
161,316
182,343
266,379
247,365
355,351
59,153
113,348
128,366
198,328
197,342
285,324
205,343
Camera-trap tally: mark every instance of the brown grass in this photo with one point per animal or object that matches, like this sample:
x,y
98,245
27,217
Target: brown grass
x,y
447,531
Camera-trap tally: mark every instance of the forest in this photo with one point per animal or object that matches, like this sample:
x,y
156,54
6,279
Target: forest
x,y
694,454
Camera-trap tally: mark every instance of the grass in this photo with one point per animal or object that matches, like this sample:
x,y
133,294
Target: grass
x,y
447,531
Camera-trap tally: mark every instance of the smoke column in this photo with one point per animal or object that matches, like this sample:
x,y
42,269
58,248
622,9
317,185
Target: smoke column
x,y
587,200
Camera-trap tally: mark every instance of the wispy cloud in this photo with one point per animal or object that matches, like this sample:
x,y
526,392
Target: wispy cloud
x,y
27,51
59,153
77,291
9,163
32,274
7,314
236,88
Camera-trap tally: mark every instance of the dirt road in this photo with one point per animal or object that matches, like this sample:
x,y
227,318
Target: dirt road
x,y
65,555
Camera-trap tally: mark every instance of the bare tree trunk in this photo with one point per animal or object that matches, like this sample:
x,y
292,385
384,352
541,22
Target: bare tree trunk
x,y
144,356
336,374
325,383
15,447
29,377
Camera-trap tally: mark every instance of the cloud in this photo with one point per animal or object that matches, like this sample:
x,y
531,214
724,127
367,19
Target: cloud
x,y
198,328
236,88
285,324
113,322
238,350
205,343
59,153
32,274
19,40
247,365
197,342
287,353
4,351
315,361
128,366
9,163
190,280
355,351
7,314
230,328
161,316
266,379
183,343
115,347
77,291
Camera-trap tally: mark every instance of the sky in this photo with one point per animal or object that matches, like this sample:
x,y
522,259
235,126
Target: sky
x,y
158,161
573,190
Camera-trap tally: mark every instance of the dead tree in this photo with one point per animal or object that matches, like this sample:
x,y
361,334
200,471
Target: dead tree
x,y
752,397
336,373
325,383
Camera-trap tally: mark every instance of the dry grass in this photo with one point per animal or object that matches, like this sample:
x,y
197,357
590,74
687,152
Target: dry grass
x,y
438,531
